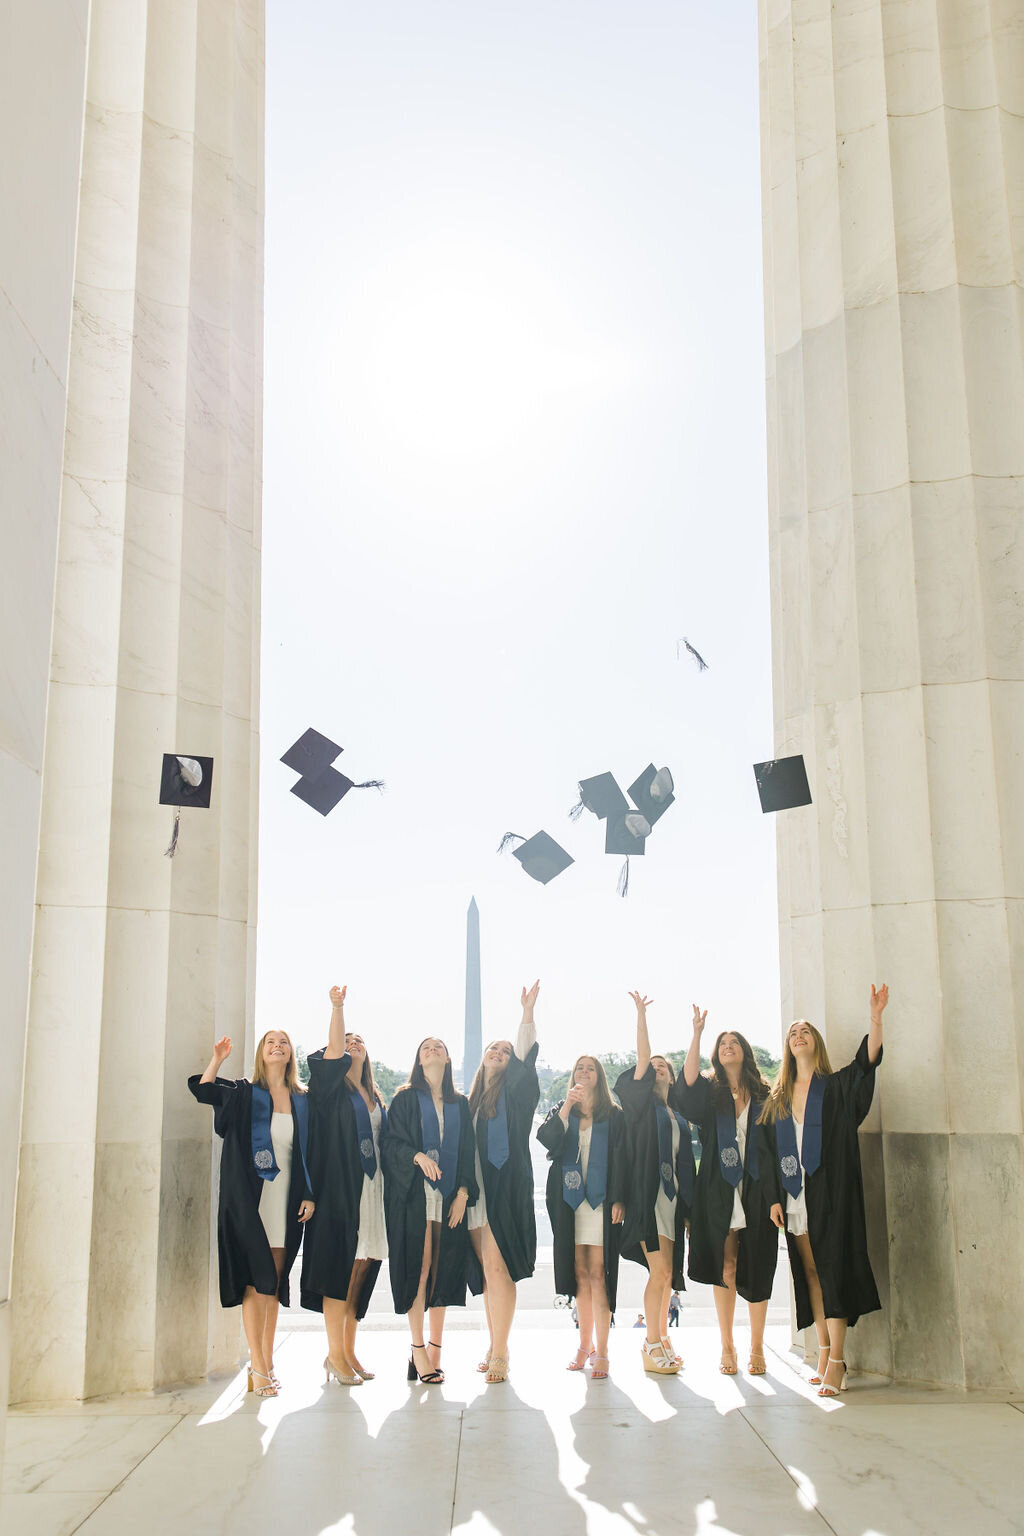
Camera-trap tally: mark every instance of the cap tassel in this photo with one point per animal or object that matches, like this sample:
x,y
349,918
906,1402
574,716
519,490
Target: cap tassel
x,y
371,784
702,665
577,810
510,837
172,846
622,889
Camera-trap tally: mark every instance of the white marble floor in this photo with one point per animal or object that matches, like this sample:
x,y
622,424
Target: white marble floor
x,y
631,1456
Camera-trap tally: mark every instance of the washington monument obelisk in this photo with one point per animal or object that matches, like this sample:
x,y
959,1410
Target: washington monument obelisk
x,y
473,1043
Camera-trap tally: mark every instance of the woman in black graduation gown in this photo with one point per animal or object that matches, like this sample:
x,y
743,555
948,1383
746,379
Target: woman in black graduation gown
x,y
810,1121
265,1194
733,1243
660,1188
586,1144
346,1240
502,1224
428,1183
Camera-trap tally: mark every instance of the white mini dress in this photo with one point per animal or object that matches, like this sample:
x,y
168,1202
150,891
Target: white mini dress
x,y
664,1206
796,1205
373,1238
738,1221
589,1228
274,1194
477,1214
435,1199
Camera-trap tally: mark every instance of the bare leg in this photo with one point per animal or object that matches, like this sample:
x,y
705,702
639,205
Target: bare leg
x,y
435,1315
836,1358
476,1237
758,1311
273,1307
335,1315
659,1275
803,1248
600,1309
254,1317
667,1256
500,1288
584,1305
725,1304
355,1286
421,1359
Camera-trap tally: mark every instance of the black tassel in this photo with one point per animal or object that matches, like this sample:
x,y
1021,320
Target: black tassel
x,y
172,846
702,665
371,784
577,810
510,837
622,889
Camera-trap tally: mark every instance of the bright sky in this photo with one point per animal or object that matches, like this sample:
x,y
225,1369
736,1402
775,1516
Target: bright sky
x,y
514,449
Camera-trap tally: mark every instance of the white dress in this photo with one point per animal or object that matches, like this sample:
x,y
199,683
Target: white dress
x,y
477,1214
435,1199
796,1205
664,1207
589,1226
739,1220
373,1239
274,1194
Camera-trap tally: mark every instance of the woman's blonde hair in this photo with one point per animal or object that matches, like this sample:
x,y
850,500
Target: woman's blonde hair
x,y
779,1103
291,1071
480,1096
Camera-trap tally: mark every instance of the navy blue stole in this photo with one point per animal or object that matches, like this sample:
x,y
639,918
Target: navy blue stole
x,y
573,1190
785,1136
444,1151
364,1132
666,1161
729,1160
263,1158
497,1134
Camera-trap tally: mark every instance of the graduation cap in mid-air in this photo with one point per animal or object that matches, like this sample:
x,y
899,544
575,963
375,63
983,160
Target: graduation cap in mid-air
x,y
319,784
652,793
184,781
782,783
602,796
541,857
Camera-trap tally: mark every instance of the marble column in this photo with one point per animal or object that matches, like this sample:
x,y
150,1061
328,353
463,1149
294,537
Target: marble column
x,y
893,202
140,961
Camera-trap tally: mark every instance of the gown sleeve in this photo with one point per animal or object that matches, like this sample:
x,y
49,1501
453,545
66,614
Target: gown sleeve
x,y
327,1077
521,1085
635,1093
856,1083
466,1173
222,1095
400,1143
692,1102
551,1133
618,1173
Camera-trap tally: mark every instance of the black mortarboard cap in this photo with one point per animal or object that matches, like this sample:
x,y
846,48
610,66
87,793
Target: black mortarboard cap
x,y
602,795
186,780
324,791
540,856
311,755
627,834
782,783
652,792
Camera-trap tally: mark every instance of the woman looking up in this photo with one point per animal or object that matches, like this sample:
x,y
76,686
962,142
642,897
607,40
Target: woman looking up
x,y
346,1241
502,1225
733,1244
660,1188
811,1116
585,1141
265,1194
428,1183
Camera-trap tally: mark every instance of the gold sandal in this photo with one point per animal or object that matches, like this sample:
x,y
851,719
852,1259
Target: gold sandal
x,y
756,1364
497,1370
729,1370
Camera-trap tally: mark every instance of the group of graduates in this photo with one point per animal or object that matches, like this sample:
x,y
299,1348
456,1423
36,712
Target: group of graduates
x,y
441,1185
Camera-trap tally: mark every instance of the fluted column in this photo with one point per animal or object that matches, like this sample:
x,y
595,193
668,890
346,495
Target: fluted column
x,y
139,960
893,158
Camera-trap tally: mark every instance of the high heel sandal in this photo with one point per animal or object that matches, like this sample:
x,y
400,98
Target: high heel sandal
x,y
729,1370
595,1374
819,1375
576,1364
827,1391
657,1360
666,1345
756,1364
497,1369
269,1390
330,1369
485,1363
430,1378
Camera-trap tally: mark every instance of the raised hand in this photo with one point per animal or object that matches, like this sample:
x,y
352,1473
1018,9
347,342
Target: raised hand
x,y
427,1166
642,1003
879,1000
338,997
528,998
222,1050
699,1019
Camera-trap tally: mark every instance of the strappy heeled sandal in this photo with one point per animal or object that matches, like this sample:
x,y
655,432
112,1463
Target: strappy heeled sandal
x,y
497,1370
657,1360
595,1373
756,1365
268,1391
819,1375
485,1363
433,1378
729,1370
666,1345
825,1390
330,1369
576,1364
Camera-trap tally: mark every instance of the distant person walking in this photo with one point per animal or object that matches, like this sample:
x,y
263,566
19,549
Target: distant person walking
x,y
265,1194
346,1241
673,1310
733,1245
811,1118
585,1141
428,1184
659,1190
502,1225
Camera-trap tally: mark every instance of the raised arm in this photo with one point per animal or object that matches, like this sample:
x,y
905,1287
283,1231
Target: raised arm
x,y
221,1052
336,1033
527,1036
691,1066
643,1043
879,1000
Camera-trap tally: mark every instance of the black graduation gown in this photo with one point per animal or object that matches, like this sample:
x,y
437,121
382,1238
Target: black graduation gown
x,y
639,1105
405,1207
835,1199
758,1246
562,1216
244,1254
332,1233
509,1190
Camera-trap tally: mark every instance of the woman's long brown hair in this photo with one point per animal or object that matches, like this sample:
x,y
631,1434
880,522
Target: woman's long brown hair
x,y
367,1081
480,1096
751,1076
291,1071
603,1101
779,1103
418,1078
